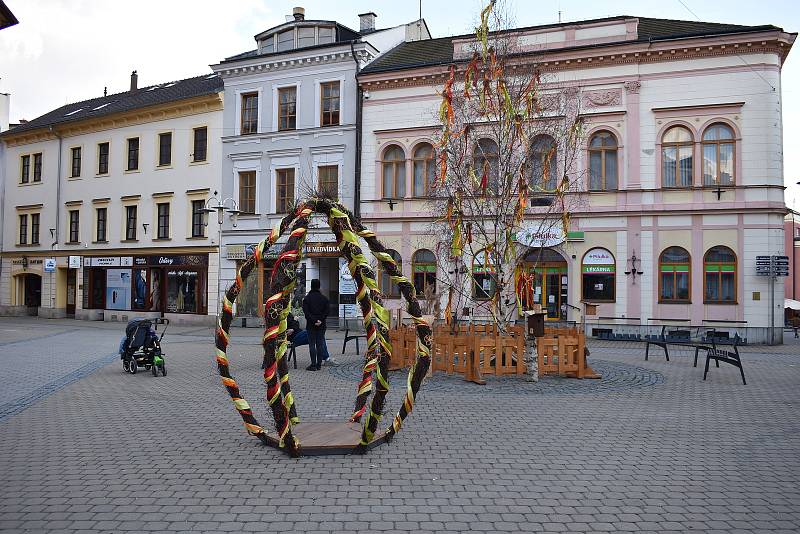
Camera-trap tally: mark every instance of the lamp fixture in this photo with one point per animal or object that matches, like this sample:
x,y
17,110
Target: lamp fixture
x,y
392,202
52,233
24,262
145,225
220,207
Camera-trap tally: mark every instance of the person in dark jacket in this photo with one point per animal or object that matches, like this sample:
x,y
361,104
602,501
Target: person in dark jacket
x,y
294,333
315,308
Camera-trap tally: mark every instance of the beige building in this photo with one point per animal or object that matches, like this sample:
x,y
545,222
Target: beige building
x,y
103,206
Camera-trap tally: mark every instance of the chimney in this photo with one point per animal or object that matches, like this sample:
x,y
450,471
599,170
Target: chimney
x,y
299,14
367,21
134,81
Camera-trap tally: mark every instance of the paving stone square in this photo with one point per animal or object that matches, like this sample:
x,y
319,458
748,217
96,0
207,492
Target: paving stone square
x,y
651,447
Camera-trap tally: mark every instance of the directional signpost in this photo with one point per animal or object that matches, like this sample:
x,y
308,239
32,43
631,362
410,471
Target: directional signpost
x,y
772,266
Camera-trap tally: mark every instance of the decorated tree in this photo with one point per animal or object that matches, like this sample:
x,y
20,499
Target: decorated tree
x,y
507,163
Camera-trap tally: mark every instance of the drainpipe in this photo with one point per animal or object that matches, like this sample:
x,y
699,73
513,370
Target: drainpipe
x,y
357,168
58,189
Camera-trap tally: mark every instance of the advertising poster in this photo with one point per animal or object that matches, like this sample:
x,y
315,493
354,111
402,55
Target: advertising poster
x,y
118,289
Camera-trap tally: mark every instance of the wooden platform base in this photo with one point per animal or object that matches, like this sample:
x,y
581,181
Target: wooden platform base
x,y
319,439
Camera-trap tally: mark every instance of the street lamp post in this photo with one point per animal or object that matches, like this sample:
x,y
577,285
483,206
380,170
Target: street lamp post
x,y
220,207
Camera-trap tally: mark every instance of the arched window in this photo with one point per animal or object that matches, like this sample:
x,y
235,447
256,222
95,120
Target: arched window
x,y
719,266
423,170
543,163
677,151
423,267
486,162
598,276
484,275
603,161
675,275
718,155
394,172
389,288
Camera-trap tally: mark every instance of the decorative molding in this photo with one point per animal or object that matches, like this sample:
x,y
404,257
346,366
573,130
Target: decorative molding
x,y
164,194
201,191
633,87
267,64
30,207
284,152
245,156
73,202
104,200
717,107
130,197
602,98
330,149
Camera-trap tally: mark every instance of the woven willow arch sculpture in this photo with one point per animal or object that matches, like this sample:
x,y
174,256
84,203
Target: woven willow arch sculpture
x,y
347,229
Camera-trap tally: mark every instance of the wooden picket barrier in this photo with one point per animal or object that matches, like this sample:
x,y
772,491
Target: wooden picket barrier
x,y
562,351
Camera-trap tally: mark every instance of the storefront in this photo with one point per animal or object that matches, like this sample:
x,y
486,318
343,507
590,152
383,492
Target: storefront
x,y
543,280
158,283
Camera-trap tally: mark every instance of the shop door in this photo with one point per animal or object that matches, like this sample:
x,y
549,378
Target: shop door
x,y
71,292
552,292
33,293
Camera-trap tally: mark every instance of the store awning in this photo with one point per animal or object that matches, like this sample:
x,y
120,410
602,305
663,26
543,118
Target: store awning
x,y
791,304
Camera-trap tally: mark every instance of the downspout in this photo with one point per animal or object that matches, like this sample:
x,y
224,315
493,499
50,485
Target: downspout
x,y
357,167
58,189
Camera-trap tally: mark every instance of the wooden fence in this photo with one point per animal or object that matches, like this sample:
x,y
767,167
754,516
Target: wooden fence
x,y
562,351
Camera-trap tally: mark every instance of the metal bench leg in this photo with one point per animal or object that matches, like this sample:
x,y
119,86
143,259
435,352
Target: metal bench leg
x,y
708,360
358,348
666,351
646,351
696,353
344,343
294,356
741,370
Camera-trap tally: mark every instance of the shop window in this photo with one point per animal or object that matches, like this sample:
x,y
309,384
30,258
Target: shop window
x,y
543,163
184,288
718,155
484,276
486,162
394,172
675,275
598,276
719,267
118,289
542,281
423,266
389,288
155,295
603,162
677,149
424,173
94,283
141,289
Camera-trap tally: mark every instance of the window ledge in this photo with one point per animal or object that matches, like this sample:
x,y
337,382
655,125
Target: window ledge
x,y
129,241
163,167
197,238
674,301
103,175
131,171
721,302
73,178
27,184
249,216
200,162
162,239
72,242
27,245
100,242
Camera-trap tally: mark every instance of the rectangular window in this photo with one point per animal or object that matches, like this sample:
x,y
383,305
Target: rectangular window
x,y
329,95
249,113
325,35
133,154
164,149
675,283
247,192
25,174
200,152
329,181
305,37
598,287
76,162
102,158
287,108
34,228
102,218
163,220
268,45
284,194
37,167
23,229
285,40
74,226
198,218
130,223
720,283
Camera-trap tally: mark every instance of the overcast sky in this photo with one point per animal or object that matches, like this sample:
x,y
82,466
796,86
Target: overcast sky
x,y
69,50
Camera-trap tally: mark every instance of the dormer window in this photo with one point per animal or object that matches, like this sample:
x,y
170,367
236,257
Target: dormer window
x,y
305,37
268,45
325,35
285,40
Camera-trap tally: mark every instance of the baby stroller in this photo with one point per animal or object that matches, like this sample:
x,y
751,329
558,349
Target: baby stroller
x,y
141,346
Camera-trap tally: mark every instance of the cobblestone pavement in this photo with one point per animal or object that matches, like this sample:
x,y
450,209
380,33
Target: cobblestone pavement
x,y
649,448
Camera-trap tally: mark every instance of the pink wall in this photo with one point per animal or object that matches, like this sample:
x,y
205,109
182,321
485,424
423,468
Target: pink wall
x,y
792,241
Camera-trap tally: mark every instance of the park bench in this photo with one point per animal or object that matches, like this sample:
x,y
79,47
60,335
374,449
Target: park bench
x,y
681,338
354,336
726,356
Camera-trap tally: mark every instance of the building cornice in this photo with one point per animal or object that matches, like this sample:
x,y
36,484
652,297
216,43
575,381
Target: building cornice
x,y
613,54
171,110
270,64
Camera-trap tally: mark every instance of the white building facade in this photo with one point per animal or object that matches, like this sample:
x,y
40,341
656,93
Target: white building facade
x,y
647,87
103,199
289,131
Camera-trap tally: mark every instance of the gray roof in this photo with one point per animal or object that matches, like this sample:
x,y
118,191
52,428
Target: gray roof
x,y
440,51
152,95
7,18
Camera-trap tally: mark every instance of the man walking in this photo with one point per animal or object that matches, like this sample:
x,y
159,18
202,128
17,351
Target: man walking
x,y
315,308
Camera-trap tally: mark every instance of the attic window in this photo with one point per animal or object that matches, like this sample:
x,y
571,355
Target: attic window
x,y
305,37
101,106
212,76
169,84
153,88
285,40
73,112
325,35
268,45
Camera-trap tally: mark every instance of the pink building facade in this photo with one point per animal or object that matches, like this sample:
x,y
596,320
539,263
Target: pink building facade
x,y
652,88
792,243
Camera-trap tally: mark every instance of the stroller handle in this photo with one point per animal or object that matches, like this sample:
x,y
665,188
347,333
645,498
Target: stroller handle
x,y
165,322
